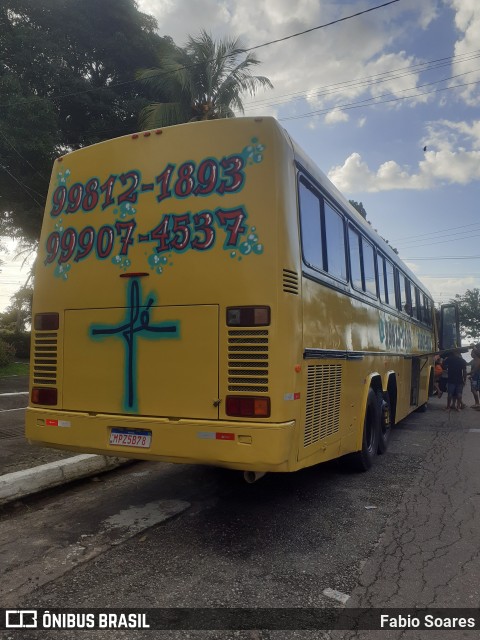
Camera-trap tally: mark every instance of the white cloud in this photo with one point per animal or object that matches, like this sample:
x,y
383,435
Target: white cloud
x,y
355,176
325,67
443,289
336,116
467,22
452,157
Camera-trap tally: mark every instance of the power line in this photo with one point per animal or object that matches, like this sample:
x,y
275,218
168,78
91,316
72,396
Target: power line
x,y
428,244
371,102
322,26
443,258
399,240
20,155
366,80
258,46
24,187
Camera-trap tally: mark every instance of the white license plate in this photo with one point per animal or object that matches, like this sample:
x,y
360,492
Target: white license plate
x,y
130,438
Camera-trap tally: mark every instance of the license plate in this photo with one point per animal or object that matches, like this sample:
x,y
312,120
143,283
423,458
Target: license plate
x,y
130,438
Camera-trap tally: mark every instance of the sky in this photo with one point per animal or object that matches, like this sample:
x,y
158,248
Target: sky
x,y
386,103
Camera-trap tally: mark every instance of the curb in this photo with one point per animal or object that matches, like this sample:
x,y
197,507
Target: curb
x,y
23,483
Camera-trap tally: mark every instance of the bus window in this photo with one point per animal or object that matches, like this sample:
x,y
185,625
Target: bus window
x,y
381,278
369,268
355,265
416,310
390,284
311,227
405,294
335,237
428,311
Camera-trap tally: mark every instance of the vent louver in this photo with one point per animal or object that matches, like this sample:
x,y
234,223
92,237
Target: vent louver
x,y
45,353
323,402
248,360
290,281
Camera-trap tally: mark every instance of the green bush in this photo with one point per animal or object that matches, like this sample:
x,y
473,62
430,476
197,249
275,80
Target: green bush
x,y
19,341
7,353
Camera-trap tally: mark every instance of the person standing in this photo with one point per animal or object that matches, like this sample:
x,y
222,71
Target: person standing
x,y
475,376
438,372
457,375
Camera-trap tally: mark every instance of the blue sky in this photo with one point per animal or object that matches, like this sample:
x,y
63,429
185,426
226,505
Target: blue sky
x,y
414,67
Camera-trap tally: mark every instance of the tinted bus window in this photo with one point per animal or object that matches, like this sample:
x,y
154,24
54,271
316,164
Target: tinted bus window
x,y
311,227
335,236
428,311
355,266
416,307
390,284
381,278
405,295
369,268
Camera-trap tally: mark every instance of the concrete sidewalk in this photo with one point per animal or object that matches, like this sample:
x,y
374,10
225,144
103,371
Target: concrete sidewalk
x,y
27,469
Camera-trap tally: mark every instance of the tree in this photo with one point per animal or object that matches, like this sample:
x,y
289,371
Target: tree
x,y
469,314
18,314
203,81
361,210
359,207
67,79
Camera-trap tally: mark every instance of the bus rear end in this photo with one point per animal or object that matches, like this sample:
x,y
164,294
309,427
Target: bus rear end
x,y
157,294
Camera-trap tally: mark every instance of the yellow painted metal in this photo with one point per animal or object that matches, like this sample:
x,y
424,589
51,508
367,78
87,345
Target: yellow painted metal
x,y
174,375
255,446
142,273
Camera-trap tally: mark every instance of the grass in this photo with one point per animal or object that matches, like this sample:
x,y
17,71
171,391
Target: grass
x,y
15,369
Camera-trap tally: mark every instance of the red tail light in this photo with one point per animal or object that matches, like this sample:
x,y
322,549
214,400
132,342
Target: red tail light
x,y
248,316
248,406
46,322
44,396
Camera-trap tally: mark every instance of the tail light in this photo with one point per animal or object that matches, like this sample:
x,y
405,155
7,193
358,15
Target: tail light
x,y
247,406
44,396
248,316
46,322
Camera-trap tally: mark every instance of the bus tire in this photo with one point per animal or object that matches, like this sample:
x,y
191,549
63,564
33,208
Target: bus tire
x,y
422,408
362,460
386,421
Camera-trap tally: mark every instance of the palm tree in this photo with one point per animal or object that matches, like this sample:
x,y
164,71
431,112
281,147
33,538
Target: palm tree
x,y
202,81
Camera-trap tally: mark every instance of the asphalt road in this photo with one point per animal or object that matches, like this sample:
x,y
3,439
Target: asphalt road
x,y
15,452
405,534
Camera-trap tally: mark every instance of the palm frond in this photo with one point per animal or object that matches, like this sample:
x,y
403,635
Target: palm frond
x,y
203,80
162,114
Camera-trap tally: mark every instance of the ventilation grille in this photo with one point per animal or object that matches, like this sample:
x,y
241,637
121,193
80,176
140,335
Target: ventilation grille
x,y
290,281
45,358
248,360
323,402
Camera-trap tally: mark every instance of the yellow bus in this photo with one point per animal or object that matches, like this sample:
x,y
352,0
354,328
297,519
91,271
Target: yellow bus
x,y
204,294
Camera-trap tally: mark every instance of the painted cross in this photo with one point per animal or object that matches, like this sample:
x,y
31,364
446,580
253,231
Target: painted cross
x,y
137,324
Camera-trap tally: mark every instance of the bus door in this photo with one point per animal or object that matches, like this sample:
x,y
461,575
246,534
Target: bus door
x,y
415,381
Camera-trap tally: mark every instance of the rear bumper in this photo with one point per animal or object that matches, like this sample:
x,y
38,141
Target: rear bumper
x,y
236,445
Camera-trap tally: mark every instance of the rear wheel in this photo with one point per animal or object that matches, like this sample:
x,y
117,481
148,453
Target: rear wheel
x,y
362,460
386,420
